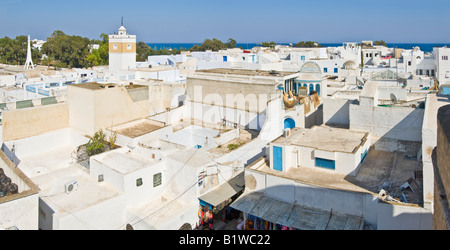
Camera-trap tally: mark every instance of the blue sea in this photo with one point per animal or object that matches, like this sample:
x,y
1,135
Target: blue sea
x,y
426,47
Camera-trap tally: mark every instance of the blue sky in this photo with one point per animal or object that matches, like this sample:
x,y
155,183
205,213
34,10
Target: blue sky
x,y
247,21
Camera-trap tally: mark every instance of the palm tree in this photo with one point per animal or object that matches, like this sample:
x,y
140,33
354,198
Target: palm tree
x,y
48,60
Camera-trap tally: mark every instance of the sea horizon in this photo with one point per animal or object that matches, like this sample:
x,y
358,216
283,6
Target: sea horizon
x,y
426,47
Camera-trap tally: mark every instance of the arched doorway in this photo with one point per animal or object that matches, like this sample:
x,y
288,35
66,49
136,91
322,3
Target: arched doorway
x,y
289,123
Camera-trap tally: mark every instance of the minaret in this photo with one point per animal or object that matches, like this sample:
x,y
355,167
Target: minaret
x,y
29,61
122,50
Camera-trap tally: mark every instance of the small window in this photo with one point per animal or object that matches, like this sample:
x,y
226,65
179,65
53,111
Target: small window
x,y
100,178
139,182
335,70
115,46
325,163
444,57
157,179
129,46
325,70
302,58
409,63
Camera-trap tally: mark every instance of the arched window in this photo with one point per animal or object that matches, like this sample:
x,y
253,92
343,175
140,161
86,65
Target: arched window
x,y
311,88
318,88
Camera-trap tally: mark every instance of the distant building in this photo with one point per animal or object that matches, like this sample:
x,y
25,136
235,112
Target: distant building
x,y
122,50
441,56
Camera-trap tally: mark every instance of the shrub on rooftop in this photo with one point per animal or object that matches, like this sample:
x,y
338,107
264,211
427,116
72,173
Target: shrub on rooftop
x,y
95,144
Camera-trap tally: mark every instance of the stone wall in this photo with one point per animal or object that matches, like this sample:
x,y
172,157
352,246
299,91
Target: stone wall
x,y
22,123
441,164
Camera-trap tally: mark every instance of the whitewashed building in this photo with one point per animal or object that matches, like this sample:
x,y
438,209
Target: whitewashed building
x,y
122,50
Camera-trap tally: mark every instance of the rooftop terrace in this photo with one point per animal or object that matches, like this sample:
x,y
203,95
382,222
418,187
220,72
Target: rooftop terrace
x,y
247,72
325,138
380,170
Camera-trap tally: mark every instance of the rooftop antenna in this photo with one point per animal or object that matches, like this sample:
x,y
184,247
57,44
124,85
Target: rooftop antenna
x,y
29,61
122,22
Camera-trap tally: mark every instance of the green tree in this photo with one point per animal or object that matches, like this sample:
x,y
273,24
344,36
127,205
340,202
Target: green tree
x,y
214,45
307,44
143,51
269,44
70,50
231,43
48,61
381,42
14,51
99,56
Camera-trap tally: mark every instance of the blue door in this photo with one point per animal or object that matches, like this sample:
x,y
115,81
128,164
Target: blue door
x,y
225,58
289,123
278,158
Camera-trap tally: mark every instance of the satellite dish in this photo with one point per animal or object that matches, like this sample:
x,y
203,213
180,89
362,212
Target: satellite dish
x,y
393,98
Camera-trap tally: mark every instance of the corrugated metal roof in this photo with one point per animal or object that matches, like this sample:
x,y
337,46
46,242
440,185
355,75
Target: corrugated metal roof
x,y
293,215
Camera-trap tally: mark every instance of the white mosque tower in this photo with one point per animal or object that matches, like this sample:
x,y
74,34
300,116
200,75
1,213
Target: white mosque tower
x,y
29,61
122,50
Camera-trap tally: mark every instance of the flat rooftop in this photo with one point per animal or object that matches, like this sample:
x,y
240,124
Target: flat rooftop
x,y
98,86
379,170
244,72
192,135
138,128
52,169
325,138
126,161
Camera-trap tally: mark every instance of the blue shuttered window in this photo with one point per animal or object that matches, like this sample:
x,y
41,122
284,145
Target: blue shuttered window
x,y
325,163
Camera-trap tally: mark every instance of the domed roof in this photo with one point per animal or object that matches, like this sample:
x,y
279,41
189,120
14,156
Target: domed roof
x,y
349,65
310,67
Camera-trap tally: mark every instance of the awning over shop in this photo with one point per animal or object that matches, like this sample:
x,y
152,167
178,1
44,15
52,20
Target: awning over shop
x,y
292,215
224,191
